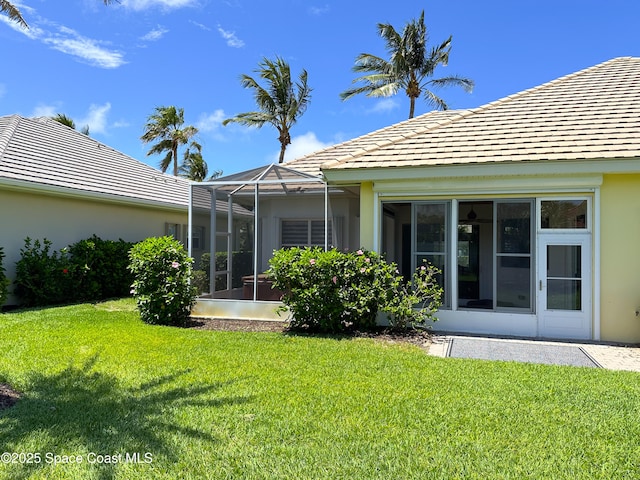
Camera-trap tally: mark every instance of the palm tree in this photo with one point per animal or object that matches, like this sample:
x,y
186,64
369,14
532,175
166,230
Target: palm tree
x,y
166,126
410,67
281,102
68,121
14,14
194,167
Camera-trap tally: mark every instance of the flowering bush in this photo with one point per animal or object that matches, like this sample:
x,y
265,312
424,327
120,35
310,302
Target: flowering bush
x,y
416,302
334,291
43,276
89,270
162,287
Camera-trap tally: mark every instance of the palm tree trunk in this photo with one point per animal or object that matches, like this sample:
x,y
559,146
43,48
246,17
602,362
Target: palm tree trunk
x,y
412,107
175,160
283,147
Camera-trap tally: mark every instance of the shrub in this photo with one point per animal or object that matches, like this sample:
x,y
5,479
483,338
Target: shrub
x,y
409,304
334,292
43,276
101,268
4,281
161,286
89,270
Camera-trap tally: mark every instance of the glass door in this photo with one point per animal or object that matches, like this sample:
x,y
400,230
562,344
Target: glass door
x,y
564,286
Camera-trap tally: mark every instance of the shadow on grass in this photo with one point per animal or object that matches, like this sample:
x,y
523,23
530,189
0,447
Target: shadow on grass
x,y
79,411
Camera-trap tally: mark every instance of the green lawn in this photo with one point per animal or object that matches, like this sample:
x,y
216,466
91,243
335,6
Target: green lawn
x,y
97,382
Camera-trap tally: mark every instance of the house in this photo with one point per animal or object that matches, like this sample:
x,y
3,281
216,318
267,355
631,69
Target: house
x,y
529,205
65,186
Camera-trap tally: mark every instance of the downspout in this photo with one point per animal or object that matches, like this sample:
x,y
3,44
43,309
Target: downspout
x,y
326,216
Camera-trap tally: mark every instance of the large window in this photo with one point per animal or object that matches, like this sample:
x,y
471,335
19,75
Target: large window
x,y
303,233
431,239
492,244
513,254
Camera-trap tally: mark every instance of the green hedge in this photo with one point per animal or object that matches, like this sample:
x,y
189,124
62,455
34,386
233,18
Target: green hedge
x,y
89,270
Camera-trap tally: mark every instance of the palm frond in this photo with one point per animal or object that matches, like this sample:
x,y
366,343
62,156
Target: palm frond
x,y
453,81
13,13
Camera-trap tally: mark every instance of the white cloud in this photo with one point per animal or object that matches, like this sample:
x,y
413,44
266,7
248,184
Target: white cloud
x,y
69,41
313,10
163,4
200,26
230,37
121,124
383,106
42,110
210,122
86,49
96,118
301,146
155,34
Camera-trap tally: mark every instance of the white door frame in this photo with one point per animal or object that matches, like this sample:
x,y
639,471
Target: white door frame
x,y
560,323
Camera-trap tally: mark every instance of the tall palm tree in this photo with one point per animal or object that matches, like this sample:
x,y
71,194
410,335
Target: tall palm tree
x,y
166,127
194,166
14,14
281,101
410,67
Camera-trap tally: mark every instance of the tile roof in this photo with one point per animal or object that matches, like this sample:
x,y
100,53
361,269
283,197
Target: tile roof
x,y
590,114
311,163
46,154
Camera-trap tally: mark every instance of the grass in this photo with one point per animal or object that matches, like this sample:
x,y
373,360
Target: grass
x,y
205,404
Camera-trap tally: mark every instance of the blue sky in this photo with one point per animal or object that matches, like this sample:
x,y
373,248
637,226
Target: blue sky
x,y
109,67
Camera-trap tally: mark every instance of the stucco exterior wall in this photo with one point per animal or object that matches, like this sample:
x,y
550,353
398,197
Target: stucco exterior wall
x,y
67,220
620,258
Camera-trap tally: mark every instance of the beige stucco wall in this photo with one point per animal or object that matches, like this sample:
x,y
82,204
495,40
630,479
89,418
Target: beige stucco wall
x,y
620,258
66,220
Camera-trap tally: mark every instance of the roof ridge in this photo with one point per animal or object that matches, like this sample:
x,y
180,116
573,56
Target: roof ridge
x,y
8,132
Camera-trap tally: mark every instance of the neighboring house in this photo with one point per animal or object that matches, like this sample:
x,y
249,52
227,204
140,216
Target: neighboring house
x,y
65,186
529,205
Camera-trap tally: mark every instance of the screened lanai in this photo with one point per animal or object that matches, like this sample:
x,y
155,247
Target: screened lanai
x,y
267,207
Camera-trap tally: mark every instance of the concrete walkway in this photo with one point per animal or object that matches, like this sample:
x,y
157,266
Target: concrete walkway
x,y
611,357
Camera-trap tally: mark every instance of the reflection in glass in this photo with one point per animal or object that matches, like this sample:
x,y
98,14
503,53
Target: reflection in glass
x,y
513,281
563,214
430,228
563,261
564,294
514,227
